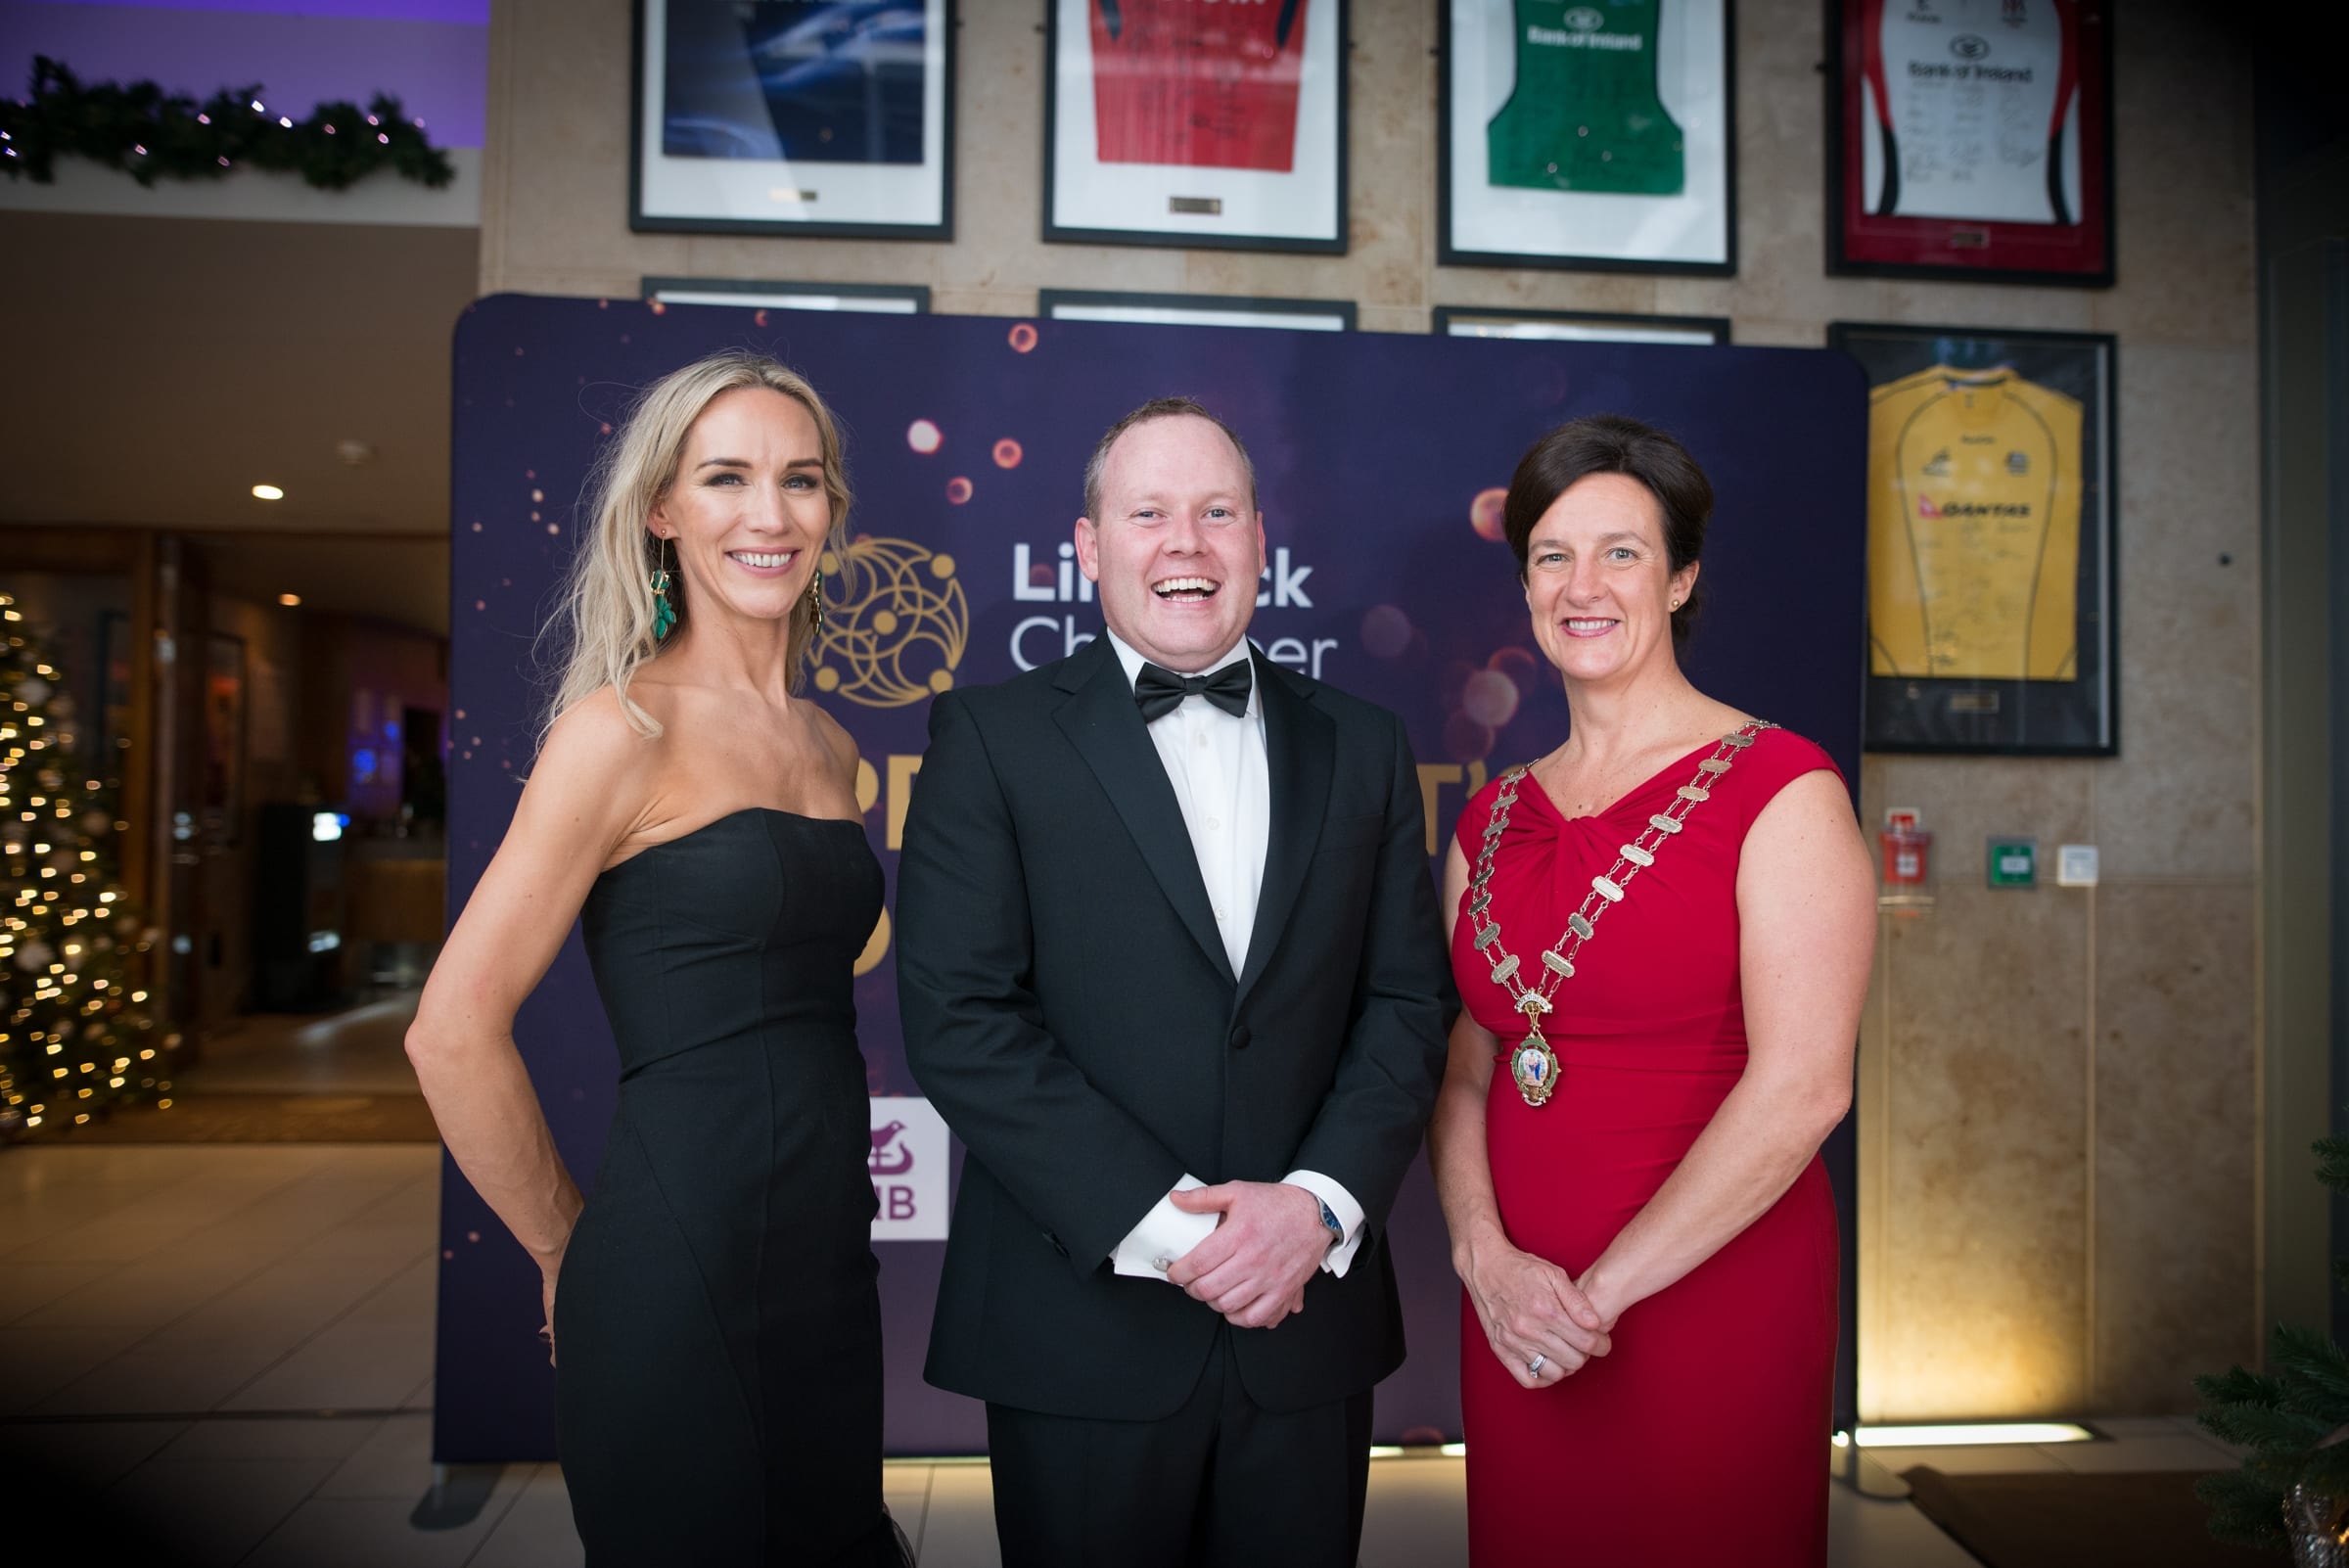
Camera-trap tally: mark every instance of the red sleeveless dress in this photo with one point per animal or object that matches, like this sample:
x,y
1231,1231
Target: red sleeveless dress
x,y
1701,1438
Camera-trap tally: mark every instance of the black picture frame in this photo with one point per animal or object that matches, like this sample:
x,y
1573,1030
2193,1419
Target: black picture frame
x,y
742,195
755,293
1138,202
1987,416
220,753
1972,248
1478,223
1195,309
1599,326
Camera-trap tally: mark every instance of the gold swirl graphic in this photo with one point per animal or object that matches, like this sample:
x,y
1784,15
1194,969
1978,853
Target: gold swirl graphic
x,y
896,622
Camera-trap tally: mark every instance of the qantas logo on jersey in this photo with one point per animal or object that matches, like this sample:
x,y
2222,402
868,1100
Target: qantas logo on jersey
x,y
1926,508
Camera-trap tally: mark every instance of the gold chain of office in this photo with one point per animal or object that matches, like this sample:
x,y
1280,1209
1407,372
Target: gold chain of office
x,y
1532,1065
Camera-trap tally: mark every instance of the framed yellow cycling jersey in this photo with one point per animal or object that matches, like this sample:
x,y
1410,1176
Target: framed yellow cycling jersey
x,y
1589,134
1990,538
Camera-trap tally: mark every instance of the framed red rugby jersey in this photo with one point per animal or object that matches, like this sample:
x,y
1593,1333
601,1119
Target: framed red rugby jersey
x,y
1971,139
1196,123
1207,83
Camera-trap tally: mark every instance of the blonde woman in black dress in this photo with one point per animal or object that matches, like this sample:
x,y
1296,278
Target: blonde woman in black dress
x,y
712,1303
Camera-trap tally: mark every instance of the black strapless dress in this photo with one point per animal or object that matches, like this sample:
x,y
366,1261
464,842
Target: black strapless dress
x,y
718,1323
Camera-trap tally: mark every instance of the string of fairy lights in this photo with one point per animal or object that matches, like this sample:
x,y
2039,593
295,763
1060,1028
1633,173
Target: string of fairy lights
x,y
76,1033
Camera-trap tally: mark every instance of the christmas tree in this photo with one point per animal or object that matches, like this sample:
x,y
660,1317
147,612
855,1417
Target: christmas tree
x,y
75,1035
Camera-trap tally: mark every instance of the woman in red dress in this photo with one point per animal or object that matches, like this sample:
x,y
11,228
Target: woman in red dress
x,y
1662,933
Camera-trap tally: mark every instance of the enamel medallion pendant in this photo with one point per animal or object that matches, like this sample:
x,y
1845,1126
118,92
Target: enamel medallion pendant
x,y
1535,1067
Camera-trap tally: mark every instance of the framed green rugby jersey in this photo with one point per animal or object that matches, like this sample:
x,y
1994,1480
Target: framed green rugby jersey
x,y
1587,133
1584,114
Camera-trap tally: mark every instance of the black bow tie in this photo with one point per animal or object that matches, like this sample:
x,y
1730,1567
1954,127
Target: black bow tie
x,y
1160,692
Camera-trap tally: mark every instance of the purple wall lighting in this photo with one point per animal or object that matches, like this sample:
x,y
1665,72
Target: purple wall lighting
x,y
433,55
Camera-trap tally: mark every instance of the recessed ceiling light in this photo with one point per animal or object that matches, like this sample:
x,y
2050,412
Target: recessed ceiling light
x,y
288,600
268,492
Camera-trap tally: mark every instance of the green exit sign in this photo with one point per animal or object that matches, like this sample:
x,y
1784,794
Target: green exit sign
x,y
2013,862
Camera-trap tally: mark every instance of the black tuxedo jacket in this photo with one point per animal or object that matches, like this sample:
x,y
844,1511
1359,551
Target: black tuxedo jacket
x,y
1070,1009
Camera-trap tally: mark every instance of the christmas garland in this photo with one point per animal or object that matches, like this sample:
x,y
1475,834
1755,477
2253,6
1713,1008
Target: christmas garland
x,y
150,134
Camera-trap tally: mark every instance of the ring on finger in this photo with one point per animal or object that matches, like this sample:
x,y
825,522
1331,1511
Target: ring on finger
x,y
1535,1366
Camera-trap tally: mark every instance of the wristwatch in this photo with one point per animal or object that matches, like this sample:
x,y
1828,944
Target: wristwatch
x,y
1337,1231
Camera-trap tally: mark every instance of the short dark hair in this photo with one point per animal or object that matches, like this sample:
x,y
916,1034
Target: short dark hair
x,y
1614,443
1159,408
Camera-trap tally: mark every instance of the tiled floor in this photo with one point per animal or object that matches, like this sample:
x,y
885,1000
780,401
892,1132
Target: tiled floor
x,y
230,1351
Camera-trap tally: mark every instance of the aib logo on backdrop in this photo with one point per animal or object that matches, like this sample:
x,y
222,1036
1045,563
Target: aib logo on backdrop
x,y
908,1165
889,1156
896,623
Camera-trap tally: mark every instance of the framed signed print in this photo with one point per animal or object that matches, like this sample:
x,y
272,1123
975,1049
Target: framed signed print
x,y
1194,124
1195,311
793,117
1991,582
1970,139
1579,326
1587,133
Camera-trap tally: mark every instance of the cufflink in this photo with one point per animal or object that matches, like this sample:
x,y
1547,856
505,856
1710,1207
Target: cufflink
x,y
1162,1265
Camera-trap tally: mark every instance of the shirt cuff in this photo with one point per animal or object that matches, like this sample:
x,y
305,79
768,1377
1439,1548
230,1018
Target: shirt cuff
x,y
1341,1203
1165,1234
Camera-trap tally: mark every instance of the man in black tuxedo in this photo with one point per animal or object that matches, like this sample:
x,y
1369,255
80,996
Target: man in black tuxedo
x,y
1169,965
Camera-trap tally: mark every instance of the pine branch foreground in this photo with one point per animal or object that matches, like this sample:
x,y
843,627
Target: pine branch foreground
x,y
151,134
2294,1418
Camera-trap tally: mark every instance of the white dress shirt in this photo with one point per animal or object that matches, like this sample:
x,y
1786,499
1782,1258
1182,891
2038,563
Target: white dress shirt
x,y
1216,762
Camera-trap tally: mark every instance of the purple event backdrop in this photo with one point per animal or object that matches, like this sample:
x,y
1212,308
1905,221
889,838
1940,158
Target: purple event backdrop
x,y
1376,455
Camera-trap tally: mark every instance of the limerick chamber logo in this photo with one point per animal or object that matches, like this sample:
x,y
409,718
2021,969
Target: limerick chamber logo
x,y
896,623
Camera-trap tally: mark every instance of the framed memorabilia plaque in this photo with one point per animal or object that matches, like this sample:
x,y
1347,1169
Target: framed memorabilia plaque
x,y
1970,139
793,117
1587,133
888,299
1579,326
1194,124
1991,581
1195,311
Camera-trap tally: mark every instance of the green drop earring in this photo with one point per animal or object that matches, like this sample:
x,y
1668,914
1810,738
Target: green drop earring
x,y
665,611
